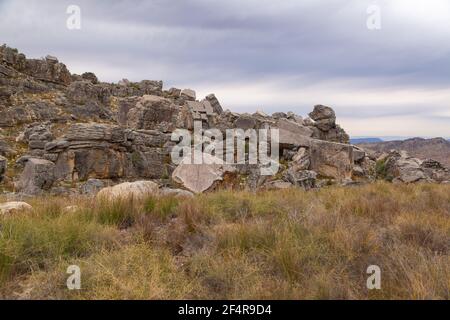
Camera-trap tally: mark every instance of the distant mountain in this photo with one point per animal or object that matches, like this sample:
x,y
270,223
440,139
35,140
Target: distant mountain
x,y
365,140
435,148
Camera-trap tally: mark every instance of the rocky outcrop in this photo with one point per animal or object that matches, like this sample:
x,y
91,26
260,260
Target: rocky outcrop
x,y
435,148
69,133
105,151
401,167
325,125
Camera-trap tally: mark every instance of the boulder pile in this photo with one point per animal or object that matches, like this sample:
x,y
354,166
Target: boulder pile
x,y
62,133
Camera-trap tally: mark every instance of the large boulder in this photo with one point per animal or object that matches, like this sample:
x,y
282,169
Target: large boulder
x,y
37,176
13,206
325,125
324,117
126,190
331,160
200,177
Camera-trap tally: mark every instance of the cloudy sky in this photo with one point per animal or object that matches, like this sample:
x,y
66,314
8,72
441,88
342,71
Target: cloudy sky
x,y
262,55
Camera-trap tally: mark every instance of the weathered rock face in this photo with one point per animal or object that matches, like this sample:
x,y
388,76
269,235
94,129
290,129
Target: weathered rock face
x,y
48,69
151,112
73,130
37,176
293,134
333,160
109,152
14,206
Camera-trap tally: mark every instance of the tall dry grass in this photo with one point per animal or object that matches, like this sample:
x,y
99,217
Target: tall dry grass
x,y
287,244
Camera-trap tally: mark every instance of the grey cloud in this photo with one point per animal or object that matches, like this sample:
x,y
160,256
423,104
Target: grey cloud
x,y
213,46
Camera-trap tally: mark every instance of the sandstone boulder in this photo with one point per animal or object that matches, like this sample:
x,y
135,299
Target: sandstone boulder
x,y
200,177
14,206
400,167
324,117
331,160
293,134
135,190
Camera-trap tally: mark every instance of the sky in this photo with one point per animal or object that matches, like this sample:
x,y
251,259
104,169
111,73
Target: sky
x,y
262,55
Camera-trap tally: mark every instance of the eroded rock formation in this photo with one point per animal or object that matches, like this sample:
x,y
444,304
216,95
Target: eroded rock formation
x,y
66,133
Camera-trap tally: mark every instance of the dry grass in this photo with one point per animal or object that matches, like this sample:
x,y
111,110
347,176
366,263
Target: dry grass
x,y
287,244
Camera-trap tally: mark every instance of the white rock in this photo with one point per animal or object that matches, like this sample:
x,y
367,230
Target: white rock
x,y
9,207
136,190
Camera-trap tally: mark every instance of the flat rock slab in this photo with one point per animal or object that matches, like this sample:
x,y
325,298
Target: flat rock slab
x,y
333,160
200,177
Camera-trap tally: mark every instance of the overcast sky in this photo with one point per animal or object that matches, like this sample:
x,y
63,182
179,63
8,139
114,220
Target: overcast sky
x,y
262,55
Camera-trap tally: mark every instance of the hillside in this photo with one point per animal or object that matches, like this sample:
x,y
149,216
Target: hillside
x,y
364,140
436,149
